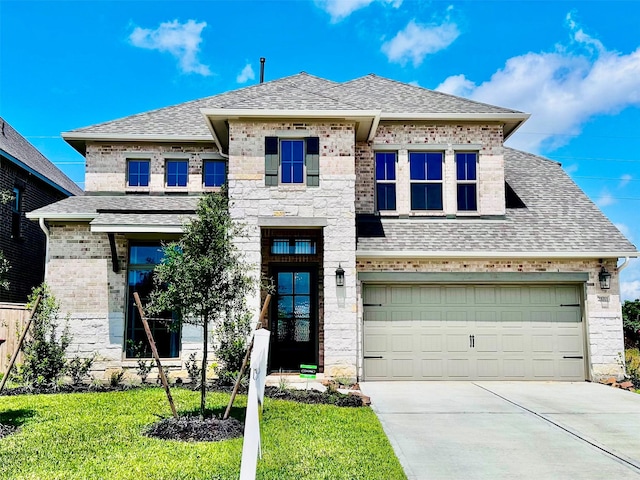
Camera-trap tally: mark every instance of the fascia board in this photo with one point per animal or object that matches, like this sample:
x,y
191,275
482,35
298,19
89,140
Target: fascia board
x,y
456,116
237,113
497,254
61,217
115,228
115,137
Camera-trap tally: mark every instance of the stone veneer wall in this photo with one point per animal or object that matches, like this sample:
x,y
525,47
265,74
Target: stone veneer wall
x,y
106,165
333,200
452,138
602,308
81,277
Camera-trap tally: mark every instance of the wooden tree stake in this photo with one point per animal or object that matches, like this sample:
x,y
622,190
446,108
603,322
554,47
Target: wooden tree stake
x,y
154,350
263,314
19,347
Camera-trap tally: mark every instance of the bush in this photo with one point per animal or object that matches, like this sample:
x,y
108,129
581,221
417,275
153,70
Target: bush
x,y
193,370
78,368
144,366
231,346
631,322
44,360
632,362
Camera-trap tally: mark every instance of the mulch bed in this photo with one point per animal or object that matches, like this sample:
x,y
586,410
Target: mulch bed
x,y
314,396
194,429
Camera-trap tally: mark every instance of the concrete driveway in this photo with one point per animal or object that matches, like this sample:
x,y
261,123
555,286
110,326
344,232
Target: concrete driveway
x,y
510,430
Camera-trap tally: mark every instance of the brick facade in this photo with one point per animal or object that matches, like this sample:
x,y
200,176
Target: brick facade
x,y
25,253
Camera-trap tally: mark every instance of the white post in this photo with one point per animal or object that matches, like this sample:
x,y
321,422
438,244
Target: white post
x,y
251,446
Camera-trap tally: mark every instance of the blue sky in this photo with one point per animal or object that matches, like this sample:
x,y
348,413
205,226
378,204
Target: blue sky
x,y
575,66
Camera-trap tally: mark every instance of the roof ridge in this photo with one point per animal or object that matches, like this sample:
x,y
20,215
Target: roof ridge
x,y
199,100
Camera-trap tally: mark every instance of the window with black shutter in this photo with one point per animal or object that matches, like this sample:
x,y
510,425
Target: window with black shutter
x,y
292,161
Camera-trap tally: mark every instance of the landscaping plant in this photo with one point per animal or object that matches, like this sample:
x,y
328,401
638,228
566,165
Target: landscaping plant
x,y
44,350
631,322
203,276
78,368
5,197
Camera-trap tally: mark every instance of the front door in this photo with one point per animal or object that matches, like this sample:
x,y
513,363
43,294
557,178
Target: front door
x,y
294,323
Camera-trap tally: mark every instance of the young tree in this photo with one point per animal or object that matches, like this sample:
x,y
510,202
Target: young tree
x,y
203,276
631,321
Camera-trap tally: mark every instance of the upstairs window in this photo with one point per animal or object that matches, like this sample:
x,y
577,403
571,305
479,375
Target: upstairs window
x,y
386,180
177,173
214,173
292,161
138,173
466,174
426,180
16,208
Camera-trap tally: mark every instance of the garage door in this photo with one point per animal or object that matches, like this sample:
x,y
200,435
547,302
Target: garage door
x,y
467,332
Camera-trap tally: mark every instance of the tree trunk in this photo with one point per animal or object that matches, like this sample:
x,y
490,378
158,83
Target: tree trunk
x,y
203,379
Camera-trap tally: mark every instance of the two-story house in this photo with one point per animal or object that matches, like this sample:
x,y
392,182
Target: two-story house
x,y
32,182
405,240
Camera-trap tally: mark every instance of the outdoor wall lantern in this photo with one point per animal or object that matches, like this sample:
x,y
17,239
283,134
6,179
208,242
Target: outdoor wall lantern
x,y
340,276
605,279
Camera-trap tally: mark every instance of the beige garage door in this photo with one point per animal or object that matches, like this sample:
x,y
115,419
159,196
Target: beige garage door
x,y
468,332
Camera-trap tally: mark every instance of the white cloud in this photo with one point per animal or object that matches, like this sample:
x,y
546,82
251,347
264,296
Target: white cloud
x,y
182,40
246,74
341,9
624,180
562,89
416,41
573,168
630,290
605,199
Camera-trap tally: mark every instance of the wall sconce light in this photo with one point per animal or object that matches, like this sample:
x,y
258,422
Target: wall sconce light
x,y
340,276
605,279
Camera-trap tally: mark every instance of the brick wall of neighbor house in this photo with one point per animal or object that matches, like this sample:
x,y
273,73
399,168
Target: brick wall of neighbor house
x,y
334,200
25,254
602,308
452,138
81,277
106,165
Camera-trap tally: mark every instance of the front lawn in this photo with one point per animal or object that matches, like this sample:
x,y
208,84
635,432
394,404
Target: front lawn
x,y
98,435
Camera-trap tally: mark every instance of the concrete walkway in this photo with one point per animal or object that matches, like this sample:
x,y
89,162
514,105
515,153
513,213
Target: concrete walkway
x,y
510,430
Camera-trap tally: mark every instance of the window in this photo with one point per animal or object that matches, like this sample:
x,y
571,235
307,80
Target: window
x,y
16,217
292,161
285,246
215,173
426,180
142,260
177,173
467,177
138,173
386,180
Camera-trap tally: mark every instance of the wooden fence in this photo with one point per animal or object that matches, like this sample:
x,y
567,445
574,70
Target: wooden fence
x,y
13,318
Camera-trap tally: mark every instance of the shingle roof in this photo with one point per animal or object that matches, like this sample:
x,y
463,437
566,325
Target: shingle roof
x,y
301,91
91,205
19,148
558,218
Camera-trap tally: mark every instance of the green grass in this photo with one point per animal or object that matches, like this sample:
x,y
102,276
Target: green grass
x,y
98,435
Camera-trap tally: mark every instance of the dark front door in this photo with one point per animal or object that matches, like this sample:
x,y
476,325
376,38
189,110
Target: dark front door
x,y
294,323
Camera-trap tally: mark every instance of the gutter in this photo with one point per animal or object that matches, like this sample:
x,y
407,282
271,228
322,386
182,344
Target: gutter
x,y
483,254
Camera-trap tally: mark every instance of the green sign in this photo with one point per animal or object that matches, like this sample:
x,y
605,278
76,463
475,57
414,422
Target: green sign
x,y
308,371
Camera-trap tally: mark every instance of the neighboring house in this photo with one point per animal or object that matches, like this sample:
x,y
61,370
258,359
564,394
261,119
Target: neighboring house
x,y
33,182
405,240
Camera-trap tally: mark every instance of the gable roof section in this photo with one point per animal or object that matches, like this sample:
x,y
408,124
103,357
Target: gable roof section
x,y
19,151
302,92
559,221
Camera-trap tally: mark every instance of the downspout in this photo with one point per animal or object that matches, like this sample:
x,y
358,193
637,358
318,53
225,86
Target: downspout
x,y
624,265
43,227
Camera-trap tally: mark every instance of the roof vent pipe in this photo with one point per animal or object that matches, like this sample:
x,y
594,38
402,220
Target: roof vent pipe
x,y
262,60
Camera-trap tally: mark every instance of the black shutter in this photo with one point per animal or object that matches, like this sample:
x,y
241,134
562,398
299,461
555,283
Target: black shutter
x,y
312,161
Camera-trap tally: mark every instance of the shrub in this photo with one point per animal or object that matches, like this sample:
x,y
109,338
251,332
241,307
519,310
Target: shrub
x,y
193,370
144,366
631,322
43,350
78,368
116,378
632,361
231,346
